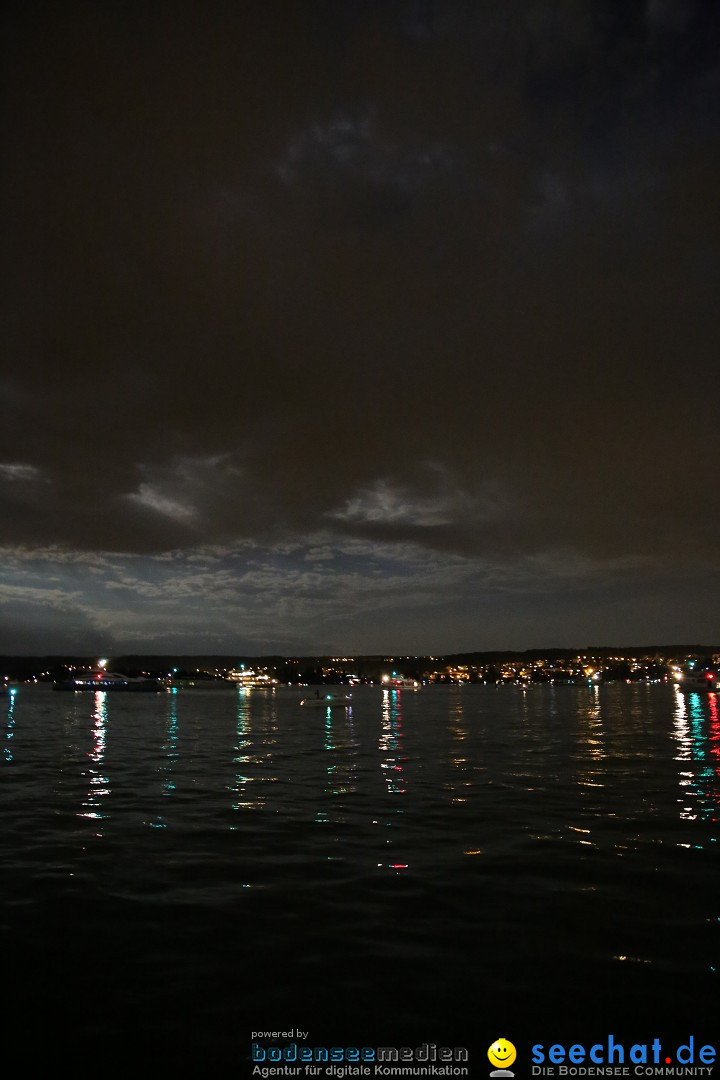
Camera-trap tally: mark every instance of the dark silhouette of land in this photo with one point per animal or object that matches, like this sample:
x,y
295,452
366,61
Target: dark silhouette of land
x,y
615,662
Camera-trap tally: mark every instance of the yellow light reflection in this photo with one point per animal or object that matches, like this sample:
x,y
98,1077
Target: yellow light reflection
x,y
256,737
392,766
390,743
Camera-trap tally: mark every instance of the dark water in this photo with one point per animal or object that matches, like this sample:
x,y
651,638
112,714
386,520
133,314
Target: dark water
x,y
180,870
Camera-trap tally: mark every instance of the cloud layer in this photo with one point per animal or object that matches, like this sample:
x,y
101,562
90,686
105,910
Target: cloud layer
x,y
434,279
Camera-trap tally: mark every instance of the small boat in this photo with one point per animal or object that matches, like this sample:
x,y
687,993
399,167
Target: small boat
x,y
328,701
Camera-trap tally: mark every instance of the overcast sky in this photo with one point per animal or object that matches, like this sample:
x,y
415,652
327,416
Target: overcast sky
x,y
359,325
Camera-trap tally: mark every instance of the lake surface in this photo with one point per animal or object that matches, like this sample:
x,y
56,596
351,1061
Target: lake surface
x,y
444,866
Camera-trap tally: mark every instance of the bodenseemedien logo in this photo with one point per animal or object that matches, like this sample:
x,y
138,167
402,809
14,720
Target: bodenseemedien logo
x,y
310,1062
501,1054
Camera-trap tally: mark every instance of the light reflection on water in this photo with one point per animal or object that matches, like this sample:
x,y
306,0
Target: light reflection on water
x,y
98,783
390,744
168,762
256,737
393,761
544,834
697,734
468,743
170,747
242,757
9,726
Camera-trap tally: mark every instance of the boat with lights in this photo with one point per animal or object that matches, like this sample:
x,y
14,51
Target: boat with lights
x,y
247,679
393,682
328,701
95,681
692,680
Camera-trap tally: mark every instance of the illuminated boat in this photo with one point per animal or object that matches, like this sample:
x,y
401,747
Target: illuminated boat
x,y
693,681
328,701
251,680
393,682
94,681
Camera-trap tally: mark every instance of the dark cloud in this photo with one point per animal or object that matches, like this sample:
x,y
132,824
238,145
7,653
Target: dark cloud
x,y
439,276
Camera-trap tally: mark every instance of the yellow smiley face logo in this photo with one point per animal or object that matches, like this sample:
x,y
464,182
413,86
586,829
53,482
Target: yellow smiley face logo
x,y
502,1053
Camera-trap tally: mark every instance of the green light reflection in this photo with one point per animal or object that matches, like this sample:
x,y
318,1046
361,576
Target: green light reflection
x,y
10,728
696,724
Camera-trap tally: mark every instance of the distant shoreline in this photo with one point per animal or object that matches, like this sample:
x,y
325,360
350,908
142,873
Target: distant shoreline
x,y
605,663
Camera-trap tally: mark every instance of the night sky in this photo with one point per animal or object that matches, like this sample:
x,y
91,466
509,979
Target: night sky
x,y
334,326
